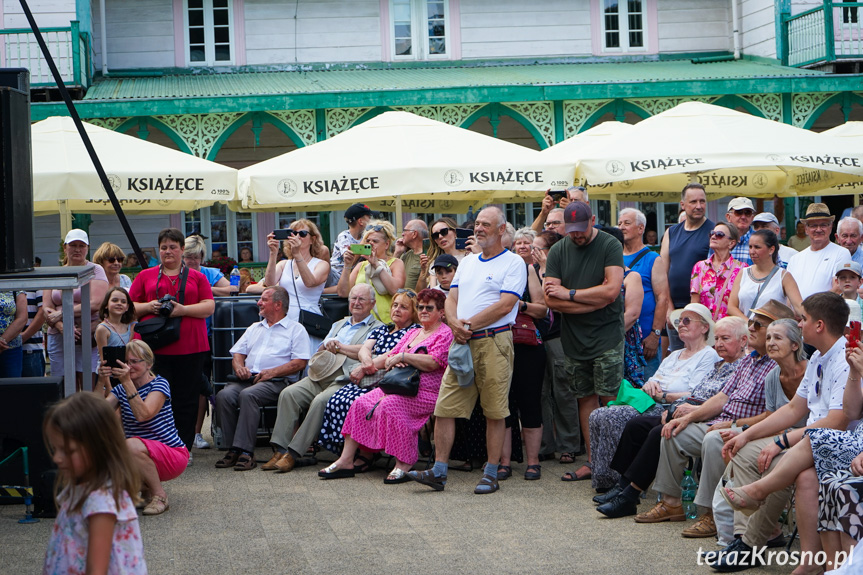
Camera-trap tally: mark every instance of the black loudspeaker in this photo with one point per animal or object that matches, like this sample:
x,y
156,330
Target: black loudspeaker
x,y
16,181
23,402
230,320
18,78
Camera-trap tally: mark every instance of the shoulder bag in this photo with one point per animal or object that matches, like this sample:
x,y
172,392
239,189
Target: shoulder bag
x,y
402,380
524,331
157,332
316,325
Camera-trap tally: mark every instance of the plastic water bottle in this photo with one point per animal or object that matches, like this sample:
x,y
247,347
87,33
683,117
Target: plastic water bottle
x,y
688,486
235,279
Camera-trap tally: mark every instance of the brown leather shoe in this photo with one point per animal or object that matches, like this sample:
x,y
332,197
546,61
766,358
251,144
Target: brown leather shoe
x,y
271,464
704,527
285,464
661,512
229,460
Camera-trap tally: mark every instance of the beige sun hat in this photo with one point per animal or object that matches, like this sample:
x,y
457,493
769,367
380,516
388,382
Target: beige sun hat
x,y
702,311
325,363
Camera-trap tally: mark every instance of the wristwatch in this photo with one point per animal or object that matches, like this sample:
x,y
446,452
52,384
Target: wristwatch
x,y
572,295
657,332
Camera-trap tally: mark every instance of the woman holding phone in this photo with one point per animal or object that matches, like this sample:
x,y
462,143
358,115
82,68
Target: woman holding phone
x,y
304,272
443,241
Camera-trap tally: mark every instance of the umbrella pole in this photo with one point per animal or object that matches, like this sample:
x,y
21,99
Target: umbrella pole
x,y
65,218
613,203
398,215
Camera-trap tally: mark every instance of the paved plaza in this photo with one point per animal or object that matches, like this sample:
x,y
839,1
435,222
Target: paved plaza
x,y
222,521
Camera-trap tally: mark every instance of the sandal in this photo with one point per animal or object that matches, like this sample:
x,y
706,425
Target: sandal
x,y
504,472
396,476
487,484
740,501
365,465
573,475
466,466
245,463
333,472
567,458
533,472
156,506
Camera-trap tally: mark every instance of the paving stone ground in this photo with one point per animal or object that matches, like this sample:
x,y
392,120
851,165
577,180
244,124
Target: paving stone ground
x,y
222,521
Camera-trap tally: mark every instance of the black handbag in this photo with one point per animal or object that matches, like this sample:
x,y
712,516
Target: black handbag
x,y
401,381
316,324
157,332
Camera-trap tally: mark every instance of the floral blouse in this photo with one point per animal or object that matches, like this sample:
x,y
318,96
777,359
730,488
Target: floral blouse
x,y
8,310
714,288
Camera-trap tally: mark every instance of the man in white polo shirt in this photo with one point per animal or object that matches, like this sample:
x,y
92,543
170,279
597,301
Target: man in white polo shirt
x,y
813,267
480,308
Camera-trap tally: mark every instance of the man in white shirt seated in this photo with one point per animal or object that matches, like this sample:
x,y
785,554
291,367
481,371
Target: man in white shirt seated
x,y
269,355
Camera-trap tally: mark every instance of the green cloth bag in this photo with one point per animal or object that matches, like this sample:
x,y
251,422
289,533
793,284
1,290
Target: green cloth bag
x,y
633,397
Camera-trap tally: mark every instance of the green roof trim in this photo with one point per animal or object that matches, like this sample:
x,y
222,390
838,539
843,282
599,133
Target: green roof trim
x,y
313,89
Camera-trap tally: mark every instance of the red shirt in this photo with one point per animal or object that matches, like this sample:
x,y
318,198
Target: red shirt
x,y
193,330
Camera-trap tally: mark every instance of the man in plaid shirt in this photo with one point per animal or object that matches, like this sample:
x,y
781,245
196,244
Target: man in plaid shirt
x,y
740,402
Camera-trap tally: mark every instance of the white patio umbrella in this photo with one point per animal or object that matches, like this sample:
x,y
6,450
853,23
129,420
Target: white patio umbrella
x,y
147,177
400,158
730,152
850,136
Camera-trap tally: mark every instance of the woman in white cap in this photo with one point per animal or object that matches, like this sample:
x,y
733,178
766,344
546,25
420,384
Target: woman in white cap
x,y
75,249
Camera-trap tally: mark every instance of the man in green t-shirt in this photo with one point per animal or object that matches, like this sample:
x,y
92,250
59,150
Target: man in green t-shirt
x,y
583,279
409,247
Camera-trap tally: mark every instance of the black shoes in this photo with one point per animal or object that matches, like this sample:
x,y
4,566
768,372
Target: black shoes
x,y
618,506
608,495
737,556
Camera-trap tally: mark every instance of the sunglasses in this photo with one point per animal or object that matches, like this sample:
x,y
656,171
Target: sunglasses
x,y
747,213
114,260
718,235
301,233
376,229
428,308
756,324
408,292
819,372
683,321
441,233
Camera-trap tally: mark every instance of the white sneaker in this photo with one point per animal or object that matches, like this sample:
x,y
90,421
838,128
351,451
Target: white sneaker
x,y
189,463
200,442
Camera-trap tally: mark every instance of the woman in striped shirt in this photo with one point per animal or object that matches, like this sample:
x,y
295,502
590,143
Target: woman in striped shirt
x,y
144,401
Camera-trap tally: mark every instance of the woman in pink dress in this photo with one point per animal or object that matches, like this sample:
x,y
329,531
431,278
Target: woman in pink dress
x,y
390,423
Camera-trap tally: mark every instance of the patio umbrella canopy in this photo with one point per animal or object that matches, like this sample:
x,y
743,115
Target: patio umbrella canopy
x,y
402,155
850,134
147,177
730,152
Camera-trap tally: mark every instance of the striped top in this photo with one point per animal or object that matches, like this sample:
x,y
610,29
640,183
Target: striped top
x,y
34,302
161,427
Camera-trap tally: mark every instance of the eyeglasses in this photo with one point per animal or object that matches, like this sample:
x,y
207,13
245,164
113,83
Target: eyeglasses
x,y
134,361
747,213
756,324
428,308
551,224
114,260
718,235
358,299
408,292
683,321
821,226
819,372
441,233
301,233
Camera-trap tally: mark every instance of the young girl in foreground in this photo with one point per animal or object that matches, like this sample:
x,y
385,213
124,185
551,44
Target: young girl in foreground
x,y
118,322
96,530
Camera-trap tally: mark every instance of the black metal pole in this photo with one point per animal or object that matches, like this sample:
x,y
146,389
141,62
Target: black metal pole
x,y
84,137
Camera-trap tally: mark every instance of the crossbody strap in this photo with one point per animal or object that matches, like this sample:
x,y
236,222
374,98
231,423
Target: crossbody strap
x,y
763,285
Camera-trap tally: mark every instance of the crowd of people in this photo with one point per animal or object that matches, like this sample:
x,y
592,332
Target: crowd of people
x,y
723,347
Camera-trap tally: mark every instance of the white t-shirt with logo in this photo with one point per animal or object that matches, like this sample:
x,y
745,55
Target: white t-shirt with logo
x,y
813,271
480,283
825,393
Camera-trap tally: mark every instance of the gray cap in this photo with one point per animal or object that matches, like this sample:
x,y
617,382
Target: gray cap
x,y
460,361
766,217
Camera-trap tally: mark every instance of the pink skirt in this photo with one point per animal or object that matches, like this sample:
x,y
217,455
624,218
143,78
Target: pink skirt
x,y
170,461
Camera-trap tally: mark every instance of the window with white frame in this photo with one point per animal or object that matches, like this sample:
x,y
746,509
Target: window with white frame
x,y
623,25
419,29
228,232
209,32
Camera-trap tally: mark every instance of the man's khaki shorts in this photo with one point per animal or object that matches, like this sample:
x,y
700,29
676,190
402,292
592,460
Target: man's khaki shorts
x,y
492,364
598,376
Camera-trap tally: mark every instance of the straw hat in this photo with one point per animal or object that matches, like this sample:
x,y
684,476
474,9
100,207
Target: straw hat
x,y
702,311
325,363
818,212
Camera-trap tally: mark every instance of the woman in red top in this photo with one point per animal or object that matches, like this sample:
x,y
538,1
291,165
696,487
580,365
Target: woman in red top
x,y
181,362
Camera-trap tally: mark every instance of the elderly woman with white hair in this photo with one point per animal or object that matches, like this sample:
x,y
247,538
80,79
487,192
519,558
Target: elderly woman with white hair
x,y
676,377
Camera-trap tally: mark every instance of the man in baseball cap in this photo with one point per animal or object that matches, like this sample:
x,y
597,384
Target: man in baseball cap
x,y
740,213
768,221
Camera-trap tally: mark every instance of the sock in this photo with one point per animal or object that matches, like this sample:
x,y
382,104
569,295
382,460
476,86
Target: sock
x,y
249,453
491,469
440,469
630,493
623,483
294,454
